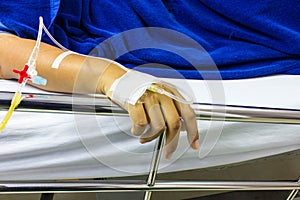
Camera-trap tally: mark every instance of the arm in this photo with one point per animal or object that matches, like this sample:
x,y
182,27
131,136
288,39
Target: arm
x,y
15,51
93,75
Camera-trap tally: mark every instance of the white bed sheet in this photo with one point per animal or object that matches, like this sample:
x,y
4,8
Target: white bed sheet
x,y
61,146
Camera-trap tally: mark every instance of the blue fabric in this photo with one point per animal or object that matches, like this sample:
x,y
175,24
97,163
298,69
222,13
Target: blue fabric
x,y
244,38
22,17
3,28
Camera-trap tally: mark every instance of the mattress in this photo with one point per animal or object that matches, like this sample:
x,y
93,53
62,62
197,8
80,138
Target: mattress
x,y
37,146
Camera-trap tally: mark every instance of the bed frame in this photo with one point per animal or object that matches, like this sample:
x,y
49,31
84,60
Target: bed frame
x,y
76,104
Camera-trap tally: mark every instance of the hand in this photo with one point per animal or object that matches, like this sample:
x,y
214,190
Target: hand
x,y
162,113
158,111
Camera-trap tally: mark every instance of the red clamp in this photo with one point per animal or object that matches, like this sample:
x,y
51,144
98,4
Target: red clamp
x,y
23,74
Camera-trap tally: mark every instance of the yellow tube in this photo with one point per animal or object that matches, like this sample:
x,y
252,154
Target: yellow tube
x,y
14,103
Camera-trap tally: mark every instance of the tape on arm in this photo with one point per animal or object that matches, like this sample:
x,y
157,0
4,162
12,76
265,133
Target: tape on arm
x,y
131,86
60,58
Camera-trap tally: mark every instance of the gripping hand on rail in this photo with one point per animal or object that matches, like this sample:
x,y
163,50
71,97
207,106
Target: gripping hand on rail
x,y
154,107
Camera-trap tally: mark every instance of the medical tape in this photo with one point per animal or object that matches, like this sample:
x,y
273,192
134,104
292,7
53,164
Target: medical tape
x,y
60,58
131,86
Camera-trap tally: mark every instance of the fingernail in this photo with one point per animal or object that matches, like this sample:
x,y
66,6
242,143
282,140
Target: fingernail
x,y
195,144
142,141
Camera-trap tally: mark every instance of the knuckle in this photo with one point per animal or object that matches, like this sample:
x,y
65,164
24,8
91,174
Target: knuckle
x,y
141,123
175,124
190,116
150,95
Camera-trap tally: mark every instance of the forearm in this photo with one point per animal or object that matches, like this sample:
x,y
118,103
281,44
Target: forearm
x,y
76,73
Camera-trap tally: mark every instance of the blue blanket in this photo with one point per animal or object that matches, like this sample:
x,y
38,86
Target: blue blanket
x,y
244,38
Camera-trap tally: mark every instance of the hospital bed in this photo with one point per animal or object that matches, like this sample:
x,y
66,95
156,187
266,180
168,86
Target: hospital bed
x,y
246,120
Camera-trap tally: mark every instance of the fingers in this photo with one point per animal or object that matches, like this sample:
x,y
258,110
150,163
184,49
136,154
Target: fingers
x,y
173,122
189,120
171,146
190,124
138,118
163,113
155,118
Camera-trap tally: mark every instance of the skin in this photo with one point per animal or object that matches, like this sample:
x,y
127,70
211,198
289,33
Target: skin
x,y
96,76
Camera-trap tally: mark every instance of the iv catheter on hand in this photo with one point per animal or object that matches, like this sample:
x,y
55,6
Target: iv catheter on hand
x,y
132,85
27,73
158,89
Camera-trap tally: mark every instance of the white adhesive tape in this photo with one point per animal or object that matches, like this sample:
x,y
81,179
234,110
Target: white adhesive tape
x,y
131,86
59,59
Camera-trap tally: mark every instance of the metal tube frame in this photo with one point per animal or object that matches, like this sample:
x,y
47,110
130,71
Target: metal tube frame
x,y
66,104
83,186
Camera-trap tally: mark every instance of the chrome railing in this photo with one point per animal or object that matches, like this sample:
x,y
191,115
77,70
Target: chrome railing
x,y
99,105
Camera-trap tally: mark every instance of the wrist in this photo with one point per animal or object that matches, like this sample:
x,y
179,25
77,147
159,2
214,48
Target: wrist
x,y
108,77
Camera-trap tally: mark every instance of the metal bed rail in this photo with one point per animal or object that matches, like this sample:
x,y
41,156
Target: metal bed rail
x,y
82,186
99,105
